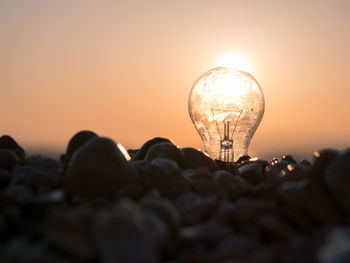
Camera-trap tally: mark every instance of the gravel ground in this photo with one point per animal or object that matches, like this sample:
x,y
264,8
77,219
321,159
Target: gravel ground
x,y
170,204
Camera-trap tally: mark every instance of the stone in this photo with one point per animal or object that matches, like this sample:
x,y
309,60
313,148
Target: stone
x,y
98,169
78,140
336,247
165,150
66,231
312,199
164,209
166,176
140,155
7,160
5,178
321,161
337,180
121,236
210,233
194,159
7,142
252,172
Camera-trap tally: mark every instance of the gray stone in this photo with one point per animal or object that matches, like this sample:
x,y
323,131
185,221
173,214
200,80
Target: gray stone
x,y
141,153
167,151
337,179
165,176
78,140
98,169
194,159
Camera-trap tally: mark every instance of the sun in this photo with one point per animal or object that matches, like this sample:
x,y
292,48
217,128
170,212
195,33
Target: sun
x,y
236,61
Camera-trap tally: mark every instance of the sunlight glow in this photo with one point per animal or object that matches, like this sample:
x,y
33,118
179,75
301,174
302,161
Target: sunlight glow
x,y
236,61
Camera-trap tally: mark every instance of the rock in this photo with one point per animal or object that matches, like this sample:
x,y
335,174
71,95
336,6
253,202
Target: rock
x,y
311,199
18,194
322,159
206,186
140,155
5,178
337,180
7,160
336,248
165,176
66,232
195,209
164,209
194,159
7,142
78,140
34,176
210,233
98,169
165,150
121,236
252,172
288,158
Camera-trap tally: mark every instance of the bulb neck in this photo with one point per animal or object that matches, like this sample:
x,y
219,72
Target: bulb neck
x,y
226,150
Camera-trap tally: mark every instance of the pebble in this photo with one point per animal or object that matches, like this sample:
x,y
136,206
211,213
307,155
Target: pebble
x,y
78,140
98,169
141,153
7,142
194,159
167,177
165,150
170,205
337,180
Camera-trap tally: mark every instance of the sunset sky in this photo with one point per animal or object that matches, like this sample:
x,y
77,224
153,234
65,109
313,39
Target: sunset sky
x,y
124,69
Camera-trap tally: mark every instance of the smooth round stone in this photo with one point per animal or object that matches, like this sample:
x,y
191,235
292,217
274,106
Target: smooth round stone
x,y
7,142
76,142
337,179
321,161
140,155
164,209
195,159
336,248
166,176
7,160
98,169
165,150
252,172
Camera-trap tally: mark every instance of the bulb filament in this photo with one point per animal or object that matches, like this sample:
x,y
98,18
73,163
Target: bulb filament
x,y
226,152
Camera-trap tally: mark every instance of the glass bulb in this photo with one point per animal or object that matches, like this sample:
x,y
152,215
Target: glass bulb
x,y
226,106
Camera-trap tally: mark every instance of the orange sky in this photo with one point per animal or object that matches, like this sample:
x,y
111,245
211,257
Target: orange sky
x,y
124,69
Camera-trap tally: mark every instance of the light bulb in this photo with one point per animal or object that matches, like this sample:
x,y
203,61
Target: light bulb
x,y
226,106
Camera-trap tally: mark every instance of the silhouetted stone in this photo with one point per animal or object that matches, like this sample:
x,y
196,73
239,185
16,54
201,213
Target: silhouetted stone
x,y
336,248
65,232
98,169
7,142
76,142
140,155
210,233
7,160
337,179
121,236
252,172
5,178
194,159
165,176
288,158
164,209
322,159
311,199
165,150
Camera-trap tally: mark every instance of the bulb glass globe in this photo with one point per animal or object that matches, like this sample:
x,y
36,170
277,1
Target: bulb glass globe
x,y
226,106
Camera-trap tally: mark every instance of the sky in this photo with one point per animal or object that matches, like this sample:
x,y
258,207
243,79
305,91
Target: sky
x,y
124,69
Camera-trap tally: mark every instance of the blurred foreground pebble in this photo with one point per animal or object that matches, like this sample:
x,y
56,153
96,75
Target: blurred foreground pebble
x,y
170,204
